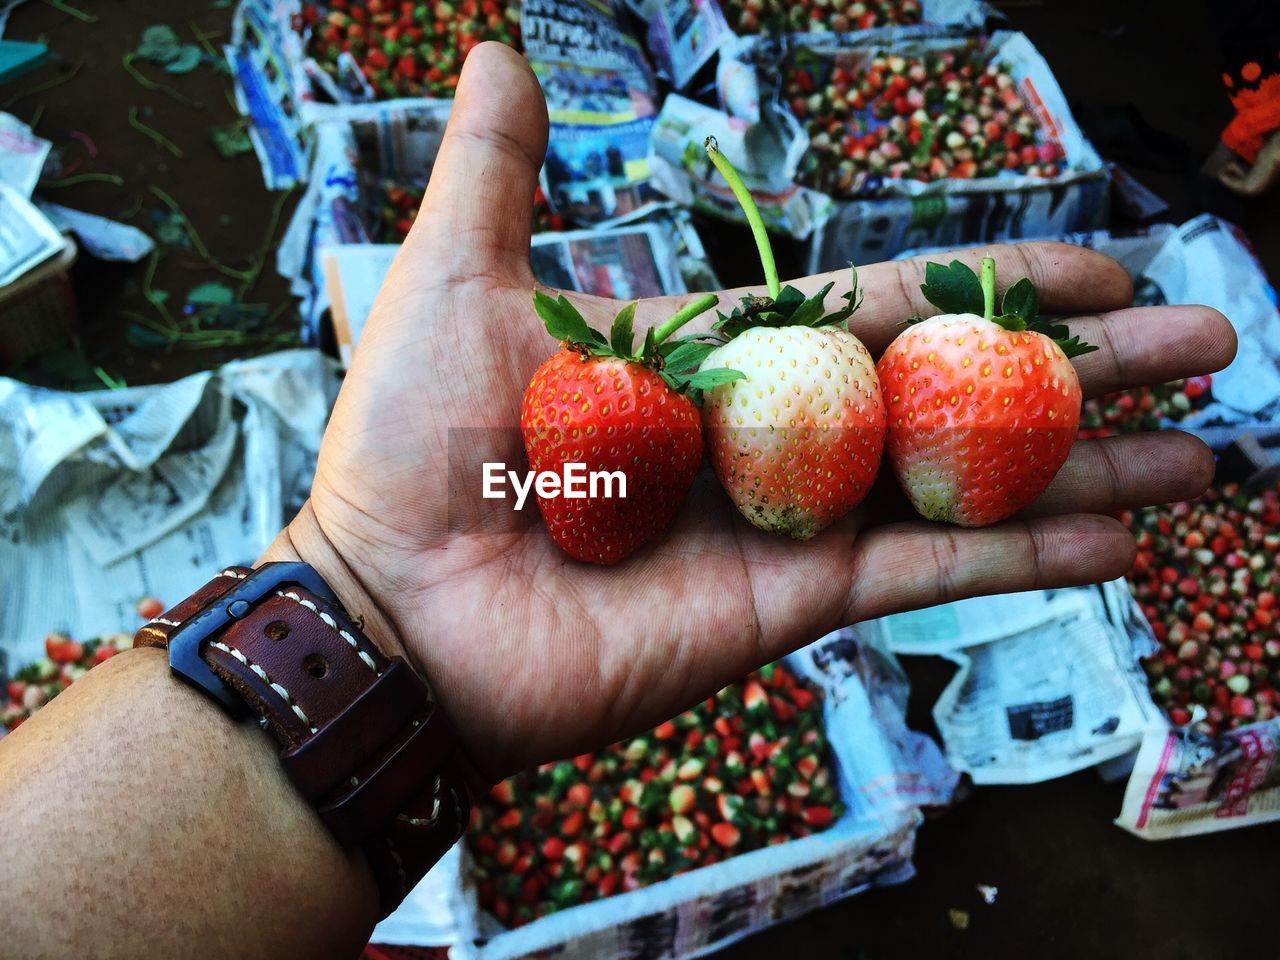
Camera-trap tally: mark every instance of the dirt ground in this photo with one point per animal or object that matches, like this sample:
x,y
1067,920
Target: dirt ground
x,y
1070,883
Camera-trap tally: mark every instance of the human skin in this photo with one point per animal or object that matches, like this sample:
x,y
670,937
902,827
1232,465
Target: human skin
x,y
136,819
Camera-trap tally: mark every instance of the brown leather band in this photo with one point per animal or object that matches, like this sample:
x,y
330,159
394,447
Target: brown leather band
x,y
361,736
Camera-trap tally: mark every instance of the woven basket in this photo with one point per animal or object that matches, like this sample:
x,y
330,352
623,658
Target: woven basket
x,y
38,310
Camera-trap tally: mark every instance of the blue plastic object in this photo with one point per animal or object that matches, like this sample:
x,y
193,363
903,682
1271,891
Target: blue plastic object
x,y
18,56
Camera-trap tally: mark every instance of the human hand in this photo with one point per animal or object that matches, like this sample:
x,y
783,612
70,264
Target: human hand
x,y
1256,180
536,656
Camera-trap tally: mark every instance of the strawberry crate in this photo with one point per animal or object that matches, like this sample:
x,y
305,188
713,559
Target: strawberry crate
x,y
884,774
863,145
38,310
293,61
685,35
369,168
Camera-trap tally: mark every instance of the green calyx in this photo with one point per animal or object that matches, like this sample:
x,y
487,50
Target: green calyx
x,y
957,289
783,306
676,361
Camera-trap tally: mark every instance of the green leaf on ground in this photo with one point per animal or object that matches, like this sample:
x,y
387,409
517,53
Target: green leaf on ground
x,y
188,57
159,44
231,140
212,293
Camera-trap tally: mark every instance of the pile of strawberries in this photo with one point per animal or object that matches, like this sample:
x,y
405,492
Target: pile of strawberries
x,y
396,206
407,49
1206,579
838,16
745,769
1143,408
65,661
953,114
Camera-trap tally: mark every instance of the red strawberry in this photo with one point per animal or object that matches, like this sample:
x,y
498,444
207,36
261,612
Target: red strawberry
x,y
606,409
149,608
983,410
796,443
60,648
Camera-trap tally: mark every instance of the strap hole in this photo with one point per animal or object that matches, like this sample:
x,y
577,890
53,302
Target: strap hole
x,y
277,630
317,666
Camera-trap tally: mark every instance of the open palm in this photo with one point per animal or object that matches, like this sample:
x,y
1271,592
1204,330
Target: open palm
x,y
537,656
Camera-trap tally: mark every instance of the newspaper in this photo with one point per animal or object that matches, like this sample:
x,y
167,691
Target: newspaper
x,y
22,158
766,155
111,496
101,237
362,148
601,102
639,260
22,154
7,7
269,77
1185,783
1049,681
683,37
357,148
887,773
27,238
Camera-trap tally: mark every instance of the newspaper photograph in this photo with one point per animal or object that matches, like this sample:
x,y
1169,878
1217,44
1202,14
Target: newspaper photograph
x,y
1048,681
1185,783
601,103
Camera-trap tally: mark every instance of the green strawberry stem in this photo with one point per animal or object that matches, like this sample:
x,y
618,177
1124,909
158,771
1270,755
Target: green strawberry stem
x,y
743,196
988,280
683,316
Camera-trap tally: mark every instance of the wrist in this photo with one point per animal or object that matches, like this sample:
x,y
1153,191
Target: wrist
x,y
304,539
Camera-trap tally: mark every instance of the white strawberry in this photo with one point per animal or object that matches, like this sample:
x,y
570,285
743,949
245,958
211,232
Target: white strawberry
x,y
797,443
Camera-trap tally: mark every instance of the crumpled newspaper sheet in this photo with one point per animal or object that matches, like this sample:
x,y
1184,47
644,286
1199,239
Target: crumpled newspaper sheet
x,y
659,255
110,496
1185,783
1049,681
602,98
30,229
887,773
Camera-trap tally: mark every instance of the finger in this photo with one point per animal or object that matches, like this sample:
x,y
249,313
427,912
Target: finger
x,y
909,566
477,215
1148,345
1069,279
1116,473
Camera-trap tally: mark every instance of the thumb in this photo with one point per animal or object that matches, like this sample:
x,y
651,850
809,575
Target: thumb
x,y
477,213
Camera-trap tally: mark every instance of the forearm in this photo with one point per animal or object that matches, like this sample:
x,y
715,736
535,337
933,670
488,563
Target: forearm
x,y
136,819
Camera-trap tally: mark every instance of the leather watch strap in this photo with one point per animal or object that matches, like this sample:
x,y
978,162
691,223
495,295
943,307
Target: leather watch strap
x,y
361,736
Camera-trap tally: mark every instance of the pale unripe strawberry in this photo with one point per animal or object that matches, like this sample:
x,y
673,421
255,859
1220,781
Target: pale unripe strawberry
x,y
982,410
797,442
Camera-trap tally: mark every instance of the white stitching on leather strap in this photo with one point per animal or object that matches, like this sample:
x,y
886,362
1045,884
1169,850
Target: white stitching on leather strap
x,y
164,623
258,671
435,810
233,575
329,621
